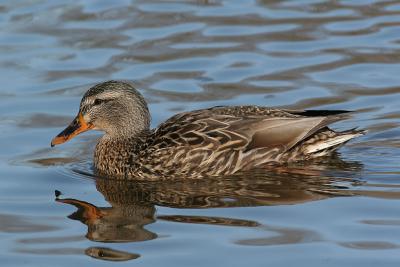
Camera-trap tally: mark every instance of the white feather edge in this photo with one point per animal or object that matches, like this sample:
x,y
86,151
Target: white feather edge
x,y
331,142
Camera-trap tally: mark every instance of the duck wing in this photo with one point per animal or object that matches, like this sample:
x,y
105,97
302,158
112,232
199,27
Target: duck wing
x,y
285,132
240,128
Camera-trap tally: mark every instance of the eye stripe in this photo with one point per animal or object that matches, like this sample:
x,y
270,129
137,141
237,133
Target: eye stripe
x,y
98,101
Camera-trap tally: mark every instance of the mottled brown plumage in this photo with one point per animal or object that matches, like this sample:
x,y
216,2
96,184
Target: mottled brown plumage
x,y
214,141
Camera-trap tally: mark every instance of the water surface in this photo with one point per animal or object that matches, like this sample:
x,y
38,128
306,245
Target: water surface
x,y
183,55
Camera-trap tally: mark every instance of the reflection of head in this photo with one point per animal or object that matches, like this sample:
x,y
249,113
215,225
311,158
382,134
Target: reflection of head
x,y
123,222
122,225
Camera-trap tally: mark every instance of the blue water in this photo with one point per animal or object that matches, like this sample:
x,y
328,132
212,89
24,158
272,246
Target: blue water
x,y
184,55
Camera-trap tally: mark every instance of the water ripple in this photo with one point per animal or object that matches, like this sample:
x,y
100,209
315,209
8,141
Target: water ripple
x,y
185,55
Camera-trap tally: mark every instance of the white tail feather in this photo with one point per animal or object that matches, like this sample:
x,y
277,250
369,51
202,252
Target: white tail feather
x,y
335,141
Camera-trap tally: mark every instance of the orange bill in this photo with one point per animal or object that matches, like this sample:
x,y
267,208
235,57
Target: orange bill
x,y
77,126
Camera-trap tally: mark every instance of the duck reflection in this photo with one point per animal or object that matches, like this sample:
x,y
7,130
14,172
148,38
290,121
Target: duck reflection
x,y
133,203
119,223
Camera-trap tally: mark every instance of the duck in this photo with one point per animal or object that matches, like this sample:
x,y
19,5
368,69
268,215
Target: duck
x,y
215,141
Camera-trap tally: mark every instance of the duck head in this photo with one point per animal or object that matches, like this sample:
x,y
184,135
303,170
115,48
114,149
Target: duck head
x,y
114,107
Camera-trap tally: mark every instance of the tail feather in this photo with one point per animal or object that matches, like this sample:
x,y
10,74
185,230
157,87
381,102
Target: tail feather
x,y
319,113
334,142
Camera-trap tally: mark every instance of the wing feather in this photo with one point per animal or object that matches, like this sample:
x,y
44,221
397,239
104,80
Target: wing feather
x,y
223,130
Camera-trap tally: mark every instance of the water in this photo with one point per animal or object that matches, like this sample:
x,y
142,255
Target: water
x,y
185,55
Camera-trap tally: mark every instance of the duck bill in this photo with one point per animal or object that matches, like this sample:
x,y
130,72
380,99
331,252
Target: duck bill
x,y
77,126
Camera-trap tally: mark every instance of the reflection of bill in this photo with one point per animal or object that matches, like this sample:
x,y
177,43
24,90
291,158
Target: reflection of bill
x,y
133,203
113,224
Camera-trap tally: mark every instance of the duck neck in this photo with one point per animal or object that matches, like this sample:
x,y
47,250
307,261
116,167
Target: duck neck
x,y
113,154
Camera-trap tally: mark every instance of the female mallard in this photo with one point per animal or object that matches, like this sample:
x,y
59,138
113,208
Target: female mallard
x,y
214,141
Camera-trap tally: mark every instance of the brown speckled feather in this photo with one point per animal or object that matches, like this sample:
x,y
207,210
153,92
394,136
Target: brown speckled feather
x,y
214,141
223,140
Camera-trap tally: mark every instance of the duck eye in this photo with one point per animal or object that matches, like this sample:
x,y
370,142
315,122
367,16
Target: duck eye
x,y
98,101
